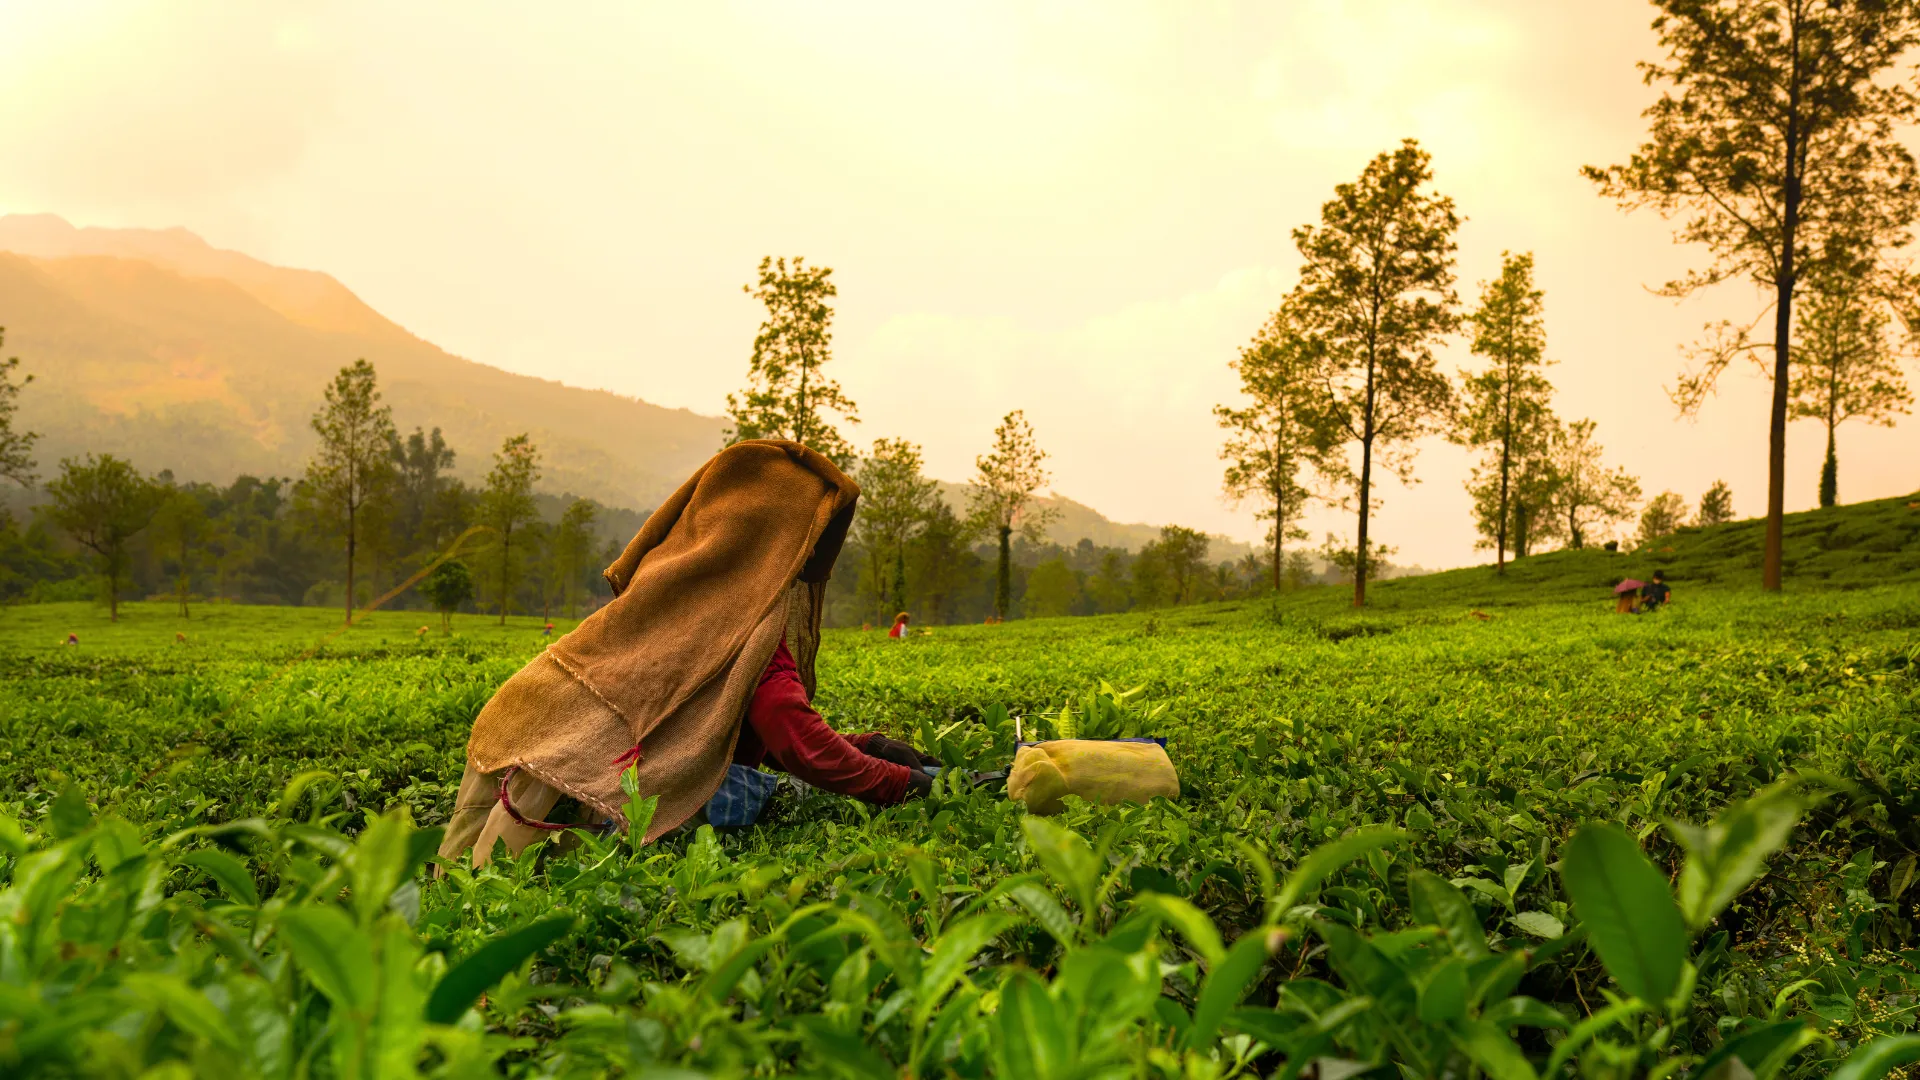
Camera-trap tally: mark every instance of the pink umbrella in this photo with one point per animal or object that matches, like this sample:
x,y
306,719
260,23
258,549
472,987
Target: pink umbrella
x,y
1628,585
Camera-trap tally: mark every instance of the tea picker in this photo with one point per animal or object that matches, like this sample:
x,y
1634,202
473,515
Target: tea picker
x,y
699,670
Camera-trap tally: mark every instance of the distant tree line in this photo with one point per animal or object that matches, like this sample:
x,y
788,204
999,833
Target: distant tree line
x,y
372,510
911,551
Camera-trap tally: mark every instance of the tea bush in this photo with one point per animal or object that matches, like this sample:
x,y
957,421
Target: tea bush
x,y
1411,842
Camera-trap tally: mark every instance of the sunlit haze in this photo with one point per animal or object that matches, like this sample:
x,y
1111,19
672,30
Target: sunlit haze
x,y
1077,209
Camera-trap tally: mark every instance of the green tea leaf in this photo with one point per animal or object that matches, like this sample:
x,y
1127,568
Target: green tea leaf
x,y
1730,852
1226,983
460,987
951,954
1033,1037
1440,904
1323,861
228,872
1878,1058
1539,924
1496,1054
70,815
1630,917
334,953
1193,924
1045,910
187,1008
1067,859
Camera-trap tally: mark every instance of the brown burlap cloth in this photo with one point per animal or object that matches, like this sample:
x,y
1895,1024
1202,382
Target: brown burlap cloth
x,y
732,563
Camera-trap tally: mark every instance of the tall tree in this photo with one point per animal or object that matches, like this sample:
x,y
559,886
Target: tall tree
x,y
446,588
1285,427
1514,506
1716,505
1375,294
1845,364
1587,496
572,548
1662,517
1778,137
941,560
421,464
104,503
16,446
180,524
895,500
352,467
1183,552
788,391
1507,414
506,504
1001,497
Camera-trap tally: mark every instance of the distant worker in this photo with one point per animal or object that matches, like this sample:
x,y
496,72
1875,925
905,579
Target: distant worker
x,y
1655,593
180,637
73,639
548,632
899,630
698,670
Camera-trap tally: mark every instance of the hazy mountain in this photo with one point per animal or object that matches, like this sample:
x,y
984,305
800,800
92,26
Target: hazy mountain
x,y
1073,520
154,345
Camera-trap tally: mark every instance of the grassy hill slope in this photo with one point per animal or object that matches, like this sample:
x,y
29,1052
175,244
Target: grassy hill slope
x,y
1855,546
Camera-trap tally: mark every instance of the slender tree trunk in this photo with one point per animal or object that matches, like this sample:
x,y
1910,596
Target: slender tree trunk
x,y
1506,464
900,577
1830,473
350,538
1003,593
1279,517
1366,493
113,594
1774,557
506,560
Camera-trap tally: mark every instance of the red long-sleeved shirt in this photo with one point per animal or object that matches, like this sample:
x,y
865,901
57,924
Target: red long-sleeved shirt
x,y
782,725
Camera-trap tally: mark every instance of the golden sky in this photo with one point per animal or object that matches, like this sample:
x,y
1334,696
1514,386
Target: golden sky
x,y
1079,209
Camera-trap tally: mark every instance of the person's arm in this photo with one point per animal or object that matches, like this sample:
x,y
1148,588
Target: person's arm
x,y
801,743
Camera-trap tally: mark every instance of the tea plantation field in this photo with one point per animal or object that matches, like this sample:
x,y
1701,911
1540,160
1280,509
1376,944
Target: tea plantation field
x,y
1384,857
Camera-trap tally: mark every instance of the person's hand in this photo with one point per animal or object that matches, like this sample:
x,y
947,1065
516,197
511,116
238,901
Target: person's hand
x,y
919,785
898,752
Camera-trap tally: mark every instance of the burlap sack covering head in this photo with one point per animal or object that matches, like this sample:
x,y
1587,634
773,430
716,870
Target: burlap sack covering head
x,y
732,563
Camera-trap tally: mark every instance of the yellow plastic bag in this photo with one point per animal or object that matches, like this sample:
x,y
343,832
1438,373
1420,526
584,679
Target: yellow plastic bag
x,y
1096,770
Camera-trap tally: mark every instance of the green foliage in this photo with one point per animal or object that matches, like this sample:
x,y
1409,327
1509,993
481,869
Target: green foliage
x,y
1375,296
1661,518
103,503
1382,856
506,505
350,476
1716,505
1774,136
1285,425
1507,413
896,500
1000,497
16,446
789,394
446,588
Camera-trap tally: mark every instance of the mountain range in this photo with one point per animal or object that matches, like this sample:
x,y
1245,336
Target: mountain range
x,y
156,346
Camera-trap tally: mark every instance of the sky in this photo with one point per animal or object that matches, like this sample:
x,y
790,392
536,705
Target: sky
x,y
1081,210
